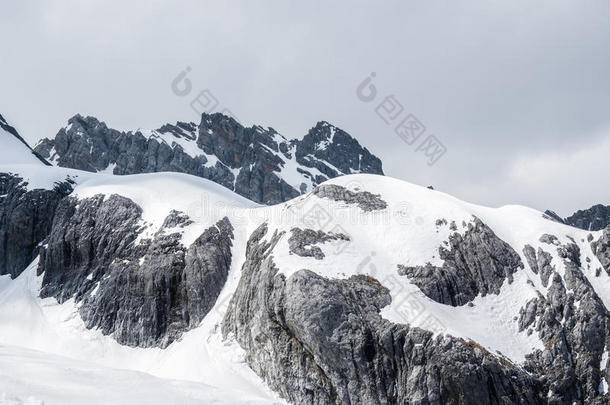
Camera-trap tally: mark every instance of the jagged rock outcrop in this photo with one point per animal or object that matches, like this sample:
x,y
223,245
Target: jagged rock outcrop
x,y
302,242
601,249
592,219
553,216
26,217
365,200
254,162
476,263
322,341
326,143
88,144
572,321
144,292
540,263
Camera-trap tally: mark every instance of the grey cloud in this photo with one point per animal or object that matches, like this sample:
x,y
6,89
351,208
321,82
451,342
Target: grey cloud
x,y
495,81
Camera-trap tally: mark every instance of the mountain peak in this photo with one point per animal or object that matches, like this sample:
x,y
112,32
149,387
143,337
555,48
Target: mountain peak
x,y
255,162
593,219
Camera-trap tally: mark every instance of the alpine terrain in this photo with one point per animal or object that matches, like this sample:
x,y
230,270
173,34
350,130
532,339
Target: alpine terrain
x,y
212,263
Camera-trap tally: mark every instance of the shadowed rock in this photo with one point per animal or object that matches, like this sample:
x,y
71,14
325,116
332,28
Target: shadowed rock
x,y
26,217
601,249
476,263
572,321
144,294
322,341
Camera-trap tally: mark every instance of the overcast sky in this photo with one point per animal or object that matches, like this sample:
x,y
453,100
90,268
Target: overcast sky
x,y
517,91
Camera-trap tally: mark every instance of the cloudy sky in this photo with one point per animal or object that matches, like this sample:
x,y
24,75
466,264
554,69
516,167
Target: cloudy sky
x,y
517,92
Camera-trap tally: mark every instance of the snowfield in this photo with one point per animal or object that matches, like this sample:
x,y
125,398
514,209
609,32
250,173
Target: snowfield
x,y
41,338
30,377
13,151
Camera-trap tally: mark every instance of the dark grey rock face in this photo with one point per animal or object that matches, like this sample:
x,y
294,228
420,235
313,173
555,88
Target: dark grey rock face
x,y
540,263
258,154
326,143
218,148
552,215
549,239
365,200
321,341
476,263
572,322
88,144
26,217
593,219
601,249
302,242
145,294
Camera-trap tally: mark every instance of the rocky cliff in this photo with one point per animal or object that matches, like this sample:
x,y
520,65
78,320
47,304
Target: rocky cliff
x,y
257,163
593,219
145,293
317,340
26,218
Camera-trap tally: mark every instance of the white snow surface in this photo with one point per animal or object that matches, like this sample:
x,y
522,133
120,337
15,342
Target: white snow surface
x,y
13,151
29,377
200,368
204,201
44,177
40,335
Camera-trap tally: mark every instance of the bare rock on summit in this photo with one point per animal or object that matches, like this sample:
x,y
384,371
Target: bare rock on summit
x,y
252,161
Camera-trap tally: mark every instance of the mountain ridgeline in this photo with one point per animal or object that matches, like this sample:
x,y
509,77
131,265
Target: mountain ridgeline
x,y
257,163
593,219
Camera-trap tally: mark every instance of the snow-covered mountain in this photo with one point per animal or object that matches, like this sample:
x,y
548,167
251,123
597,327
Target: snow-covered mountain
x,y
364,290
257,163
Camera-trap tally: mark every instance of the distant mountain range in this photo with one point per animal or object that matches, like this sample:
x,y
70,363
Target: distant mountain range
x,y
257,163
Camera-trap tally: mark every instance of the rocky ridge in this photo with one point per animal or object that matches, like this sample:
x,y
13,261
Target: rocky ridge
x,y
145,293
257,163
595,218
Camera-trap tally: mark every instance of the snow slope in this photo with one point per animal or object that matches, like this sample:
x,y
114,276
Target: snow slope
x,y
57,330
48,356
13,150
30,377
